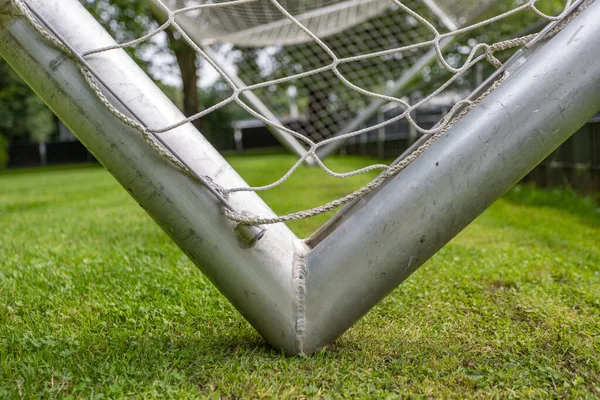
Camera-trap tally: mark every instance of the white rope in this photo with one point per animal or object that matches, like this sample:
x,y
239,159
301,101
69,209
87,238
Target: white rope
x,y
281,9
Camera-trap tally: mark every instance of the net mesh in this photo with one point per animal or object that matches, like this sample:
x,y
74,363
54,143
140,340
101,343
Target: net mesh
x,y
270,45
339,57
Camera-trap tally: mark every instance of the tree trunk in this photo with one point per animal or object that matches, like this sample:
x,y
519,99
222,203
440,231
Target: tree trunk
x,y
186,59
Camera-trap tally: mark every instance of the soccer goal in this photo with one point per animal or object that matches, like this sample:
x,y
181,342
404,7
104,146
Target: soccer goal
x,y
301,294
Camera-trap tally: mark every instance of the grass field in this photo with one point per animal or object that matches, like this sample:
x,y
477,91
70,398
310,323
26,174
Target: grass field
x,y
95,301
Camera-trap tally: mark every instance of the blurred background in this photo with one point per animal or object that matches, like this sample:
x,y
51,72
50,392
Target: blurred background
x,y
30,135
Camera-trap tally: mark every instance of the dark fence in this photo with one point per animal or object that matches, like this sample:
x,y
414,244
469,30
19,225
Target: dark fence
x,y
576,163
35,155
24,155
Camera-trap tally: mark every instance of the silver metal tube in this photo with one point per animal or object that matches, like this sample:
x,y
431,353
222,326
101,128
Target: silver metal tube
x,y
256,279
386,236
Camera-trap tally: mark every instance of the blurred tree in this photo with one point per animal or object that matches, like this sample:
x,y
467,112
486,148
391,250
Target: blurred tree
x,y
127,20
23,116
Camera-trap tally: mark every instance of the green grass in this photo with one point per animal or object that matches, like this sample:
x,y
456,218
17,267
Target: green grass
x,y
95,301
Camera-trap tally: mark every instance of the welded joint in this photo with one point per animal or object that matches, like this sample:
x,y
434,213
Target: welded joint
x,y
299,277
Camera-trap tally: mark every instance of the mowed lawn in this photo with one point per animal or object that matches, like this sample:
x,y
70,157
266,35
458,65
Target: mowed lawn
x,y
96,301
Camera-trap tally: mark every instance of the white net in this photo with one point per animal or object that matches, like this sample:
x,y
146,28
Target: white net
x,y
339,57
373,42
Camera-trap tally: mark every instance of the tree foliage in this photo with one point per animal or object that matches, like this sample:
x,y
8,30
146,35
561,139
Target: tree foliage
x,y
127,20
23,116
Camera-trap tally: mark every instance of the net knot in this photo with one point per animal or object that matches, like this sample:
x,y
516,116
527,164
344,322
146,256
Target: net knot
x,y
489,55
